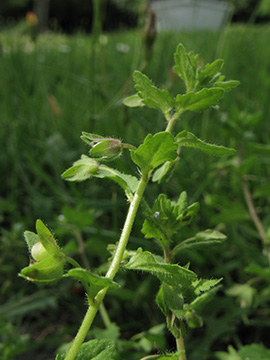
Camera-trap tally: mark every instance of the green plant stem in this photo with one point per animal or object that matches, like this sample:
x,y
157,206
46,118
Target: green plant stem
x,y
181,347
127,228
114,267
87,321
173,120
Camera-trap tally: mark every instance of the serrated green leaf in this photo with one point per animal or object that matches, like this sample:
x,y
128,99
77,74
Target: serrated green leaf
x,y
168,217
127,182
185,66
173,300
203,285
182,202
92,283
81,170
227,85
155,150
206,75
173,275
98,350
133,101
185,138
199,101
153,229
202,299
152,96
203,238
196,78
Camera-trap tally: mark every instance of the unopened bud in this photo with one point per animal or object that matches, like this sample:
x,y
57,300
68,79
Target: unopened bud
x,y
39,252
107,149
101,147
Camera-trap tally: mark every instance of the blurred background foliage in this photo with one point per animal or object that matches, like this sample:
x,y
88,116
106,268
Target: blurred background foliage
x,y
67,16
55,87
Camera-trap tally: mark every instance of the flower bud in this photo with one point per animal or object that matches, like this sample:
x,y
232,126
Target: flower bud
x,y
48,266
39,252
101,147
108,149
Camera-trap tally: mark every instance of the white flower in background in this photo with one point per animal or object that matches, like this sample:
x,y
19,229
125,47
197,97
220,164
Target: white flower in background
x,y
123,48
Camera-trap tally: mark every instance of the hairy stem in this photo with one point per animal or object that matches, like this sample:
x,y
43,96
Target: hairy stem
x,y
181,347
114,267
172,120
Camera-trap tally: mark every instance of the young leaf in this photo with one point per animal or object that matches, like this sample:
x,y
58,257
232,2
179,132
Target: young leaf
x,y
202,299
81,170
151,96
98,349
128,183
203,238
227,85
168,217
92,283
199,101
197,78
133,101
209,72
203,285
186,66
173,275
155,150
185,138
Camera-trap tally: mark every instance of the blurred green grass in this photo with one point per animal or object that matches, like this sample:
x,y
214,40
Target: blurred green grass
x,y
52,90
